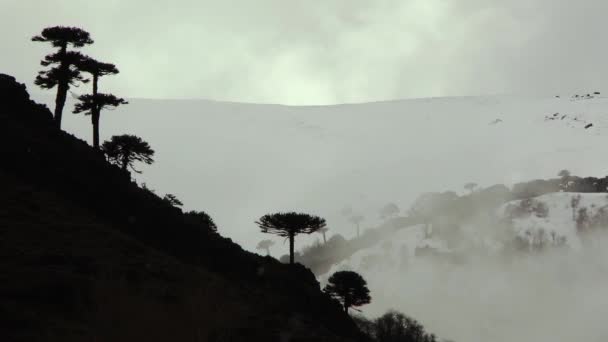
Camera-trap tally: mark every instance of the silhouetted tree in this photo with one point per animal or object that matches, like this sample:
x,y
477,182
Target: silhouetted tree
x,y
324,231
173,200
564,174
574,202
470,186
356,220
125,150
63,72
93,104
289,225
394,326
582,219
200,218
265,245
349,288
389,210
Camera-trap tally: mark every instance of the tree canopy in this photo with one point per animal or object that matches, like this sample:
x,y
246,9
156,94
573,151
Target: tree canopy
x,y
393,326
289,225
323,231
93,104
125,150
63,68
62,36
265,245
96,68
89,103
349,288
173,200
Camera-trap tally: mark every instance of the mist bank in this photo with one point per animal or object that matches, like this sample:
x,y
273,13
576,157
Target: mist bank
x,y
532,269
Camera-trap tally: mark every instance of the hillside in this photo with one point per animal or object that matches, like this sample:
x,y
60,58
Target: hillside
x,y
89,255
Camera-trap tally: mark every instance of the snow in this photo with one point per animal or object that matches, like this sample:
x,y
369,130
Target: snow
x,y
560,221
239,161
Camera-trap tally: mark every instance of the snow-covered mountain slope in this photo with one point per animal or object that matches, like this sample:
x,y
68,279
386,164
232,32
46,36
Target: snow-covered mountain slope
x,y
561,218
484,289
240,161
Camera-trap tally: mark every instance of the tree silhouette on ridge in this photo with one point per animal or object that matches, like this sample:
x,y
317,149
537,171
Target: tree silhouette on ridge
x,y
63,71
349,288
124,150
93,104
289,225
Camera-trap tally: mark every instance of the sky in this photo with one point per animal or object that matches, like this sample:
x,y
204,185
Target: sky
x,y
324,52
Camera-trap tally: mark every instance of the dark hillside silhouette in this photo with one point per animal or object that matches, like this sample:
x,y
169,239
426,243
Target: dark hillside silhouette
x,y
63,70
200,219
79,179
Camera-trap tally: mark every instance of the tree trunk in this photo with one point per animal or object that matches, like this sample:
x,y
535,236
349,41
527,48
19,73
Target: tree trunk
x,y
324,240
268,251
95,121
62,92
291,243
62,87
125,162
95,79
96,113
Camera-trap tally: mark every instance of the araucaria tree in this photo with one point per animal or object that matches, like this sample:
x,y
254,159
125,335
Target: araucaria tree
x,y
265,245
125,150
349,288
173,200
356,220
323,231
289,225
471,187
63,70
389,210
92,104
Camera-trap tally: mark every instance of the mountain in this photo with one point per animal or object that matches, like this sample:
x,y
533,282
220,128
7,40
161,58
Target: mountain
x,y
87,254
251,159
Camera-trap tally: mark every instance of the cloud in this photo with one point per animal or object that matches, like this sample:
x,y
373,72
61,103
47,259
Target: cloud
x,y
324,52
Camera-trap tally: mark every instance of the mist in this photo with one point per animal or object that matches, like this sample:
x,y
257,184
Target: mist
x,y
557,295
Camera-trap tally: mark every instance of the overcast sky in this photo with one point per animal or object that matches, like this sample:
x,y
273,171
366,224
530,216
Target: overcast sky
x,y
321,52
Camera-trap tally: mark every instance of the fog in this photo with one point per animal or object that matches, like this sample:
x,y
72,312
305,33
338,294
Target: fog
x,y
556,295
